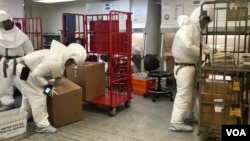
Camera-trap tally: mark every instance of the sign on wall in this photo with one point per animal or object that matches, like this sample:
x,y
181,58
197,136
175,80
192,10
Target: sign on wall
x,y
170,12
171,9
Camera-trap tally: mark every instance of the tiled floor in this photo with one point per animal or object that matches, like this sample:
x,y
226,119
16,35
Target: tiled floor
x,y
144,120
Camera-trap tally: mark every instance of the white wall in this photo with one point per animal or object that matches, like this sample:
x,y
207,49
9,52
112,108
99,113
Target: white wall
x,y
103,7
51,14
13,7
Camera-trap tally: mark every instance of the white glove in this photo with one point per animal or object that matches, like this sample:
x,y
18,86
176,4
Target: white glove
x,y
207,51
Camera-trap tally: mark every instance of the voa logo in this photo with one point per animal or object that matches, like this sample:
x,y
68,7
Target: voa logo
x,y
236,132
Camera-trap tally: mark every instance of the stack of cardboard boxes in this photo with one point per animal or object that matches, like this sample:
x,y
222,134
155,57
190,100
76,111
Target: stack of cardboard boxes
x,y
83,83
216,99
216,102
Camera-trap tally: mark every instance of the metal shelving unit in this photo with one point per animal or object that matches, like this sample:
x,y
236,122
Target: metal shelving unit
x,y
224,78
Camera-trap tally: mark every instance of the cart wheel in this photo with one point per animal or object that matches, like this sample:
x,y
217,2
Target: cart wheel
x,y
127,104
171,99
113,112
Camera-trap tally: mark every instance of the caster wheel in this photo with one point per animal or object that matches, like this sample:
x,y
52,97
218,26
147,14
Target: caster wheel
x,y
127,104
153,100
113,112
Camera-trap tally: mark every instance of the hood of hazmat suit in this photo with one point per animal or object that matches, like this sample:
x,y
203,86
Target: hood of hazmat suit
x,y
51,62
4,16
206,11
186,45
199,13
76,52
10,38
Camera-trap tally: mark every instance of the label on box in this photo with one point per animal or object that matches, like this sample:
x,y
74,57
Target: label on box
x,y
12,123
12,129
218,106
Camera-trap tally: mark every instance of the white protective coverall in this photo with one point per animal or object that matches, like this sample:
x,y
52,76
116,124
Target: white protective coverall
x,y
44,63
13,44
186,52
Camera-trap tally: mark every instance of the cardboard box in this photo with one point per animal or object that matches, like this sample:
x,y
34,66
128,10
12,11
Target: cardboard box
x,y
228,98
216,98
210,116
141,84
12,123
218,90
91,77
219,87
66,107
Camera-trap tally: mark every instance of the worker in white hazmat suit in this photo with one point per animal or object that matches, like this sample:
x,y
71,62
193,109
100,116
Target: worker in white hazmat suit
x,y
13,44
32,76
186,52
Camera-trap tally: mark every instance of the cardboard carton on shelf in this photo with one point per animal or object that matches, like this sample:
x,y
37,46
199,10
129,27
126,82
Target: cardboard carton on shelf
x,y
215,100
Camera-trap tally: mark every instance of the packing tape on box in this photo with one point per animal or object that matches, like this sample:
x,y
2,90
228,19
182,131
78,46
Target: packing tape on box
x,y
75,70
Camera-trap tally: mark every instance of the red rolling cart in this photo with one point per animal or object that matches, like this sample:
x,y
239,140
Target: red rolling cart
x,y
107,38
110,38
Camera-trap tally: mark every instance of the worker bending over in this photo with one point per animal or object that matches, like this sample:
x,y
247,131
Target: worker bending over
x,y
32,76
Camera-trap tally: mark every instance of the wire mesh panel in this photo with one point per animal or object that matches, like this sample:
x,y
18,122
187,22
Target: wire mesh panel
x,y
74,30
224,87
32,27
107,38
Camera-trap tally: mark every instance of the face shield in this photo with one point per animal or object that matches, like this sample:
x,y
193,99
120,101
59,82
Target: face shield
x,y
204,20
8,24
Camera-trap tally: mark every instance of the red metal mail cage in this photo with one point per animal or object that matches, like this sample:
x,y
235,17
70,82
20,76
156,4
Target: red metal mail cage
x,y
32,27
110,36
107,37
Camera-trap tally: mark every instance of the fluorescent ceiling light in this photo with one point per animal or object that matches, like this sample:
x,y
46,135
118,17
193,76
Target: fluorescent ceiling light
x,y
52,1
